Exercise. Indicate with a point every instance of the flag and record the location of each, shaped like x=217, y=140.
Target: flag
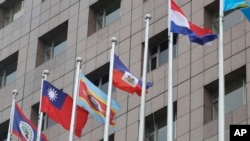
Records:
x=58, y=106
x=233, y=4
x=94, y=100
x=23, y=127
x=125, y=80
x=246, y=13
x=180, y=24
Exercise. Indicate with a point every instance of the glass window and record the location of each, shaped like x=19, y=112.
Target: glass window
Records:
x=108, y=14
x=103, y=13
x=156, y=125
x=56, y=46
x=103, y=83
x=52, y=43
x=8, y=69
x=234, y=98
x=159, y=55
x=14, y=11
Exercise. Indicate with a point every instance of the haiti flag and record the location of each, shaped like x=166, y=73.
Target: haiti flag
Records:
x=125, y=80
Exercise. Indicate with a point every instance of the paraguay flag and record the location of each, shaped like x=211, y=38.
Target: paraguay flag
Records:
x=24, y=128
x=126, y=81
x=94, y=100
x=58, y=106
x=179, y=24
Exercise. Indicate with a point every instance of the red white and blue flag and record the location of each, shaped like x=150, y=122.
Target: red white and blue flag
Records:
x=125, y=80
x=23, y=127
x=179, y=24
x=58, y=106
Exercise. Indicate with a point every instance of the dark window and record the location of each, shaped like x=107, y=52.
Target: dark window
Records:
x=11, y=10
x=52, y=43
x=103, y=13
x=111, y=138
x=235, y=94
x=158, y=50
x=4, y=127
x=156, y=125
x=8, y=69
x=100, y=77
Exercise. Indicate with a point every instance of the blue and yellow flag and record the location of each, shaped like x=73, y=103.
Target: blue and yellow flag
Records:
x=94, y=100
x=234, y=4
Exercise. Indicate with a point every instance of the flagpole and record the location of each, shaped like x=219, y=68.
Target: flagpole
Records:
x=221, y=119
x=111, y=67
x=73, y=115
x=14, y=92
x=170, y=79
x=39, y=128
x=144, y=77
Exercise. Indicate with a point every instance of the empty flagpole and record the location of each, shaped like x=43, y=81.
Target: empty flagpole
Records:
x=111, y=67
x=221, y=119
x=44, y=77
x=14, y=92
x=144, y=77
x=76, y=85
x=170, y=79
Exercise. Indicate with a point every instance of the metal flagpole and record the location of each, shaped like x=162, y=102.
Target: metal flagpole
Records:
x=14, y=92
x=76, y=85
x=221, y=119
x=144, y=77
x=170, y=79
x=111, y=67
x=39, y=128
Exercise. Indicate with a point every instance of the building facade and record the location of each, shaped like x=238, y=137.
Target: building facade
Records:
x=49, y=34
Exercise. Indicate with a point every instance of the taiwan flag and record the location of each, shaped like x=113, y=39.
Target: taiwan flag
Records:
x=24, y=128
x=125, y=80
x=58, y=106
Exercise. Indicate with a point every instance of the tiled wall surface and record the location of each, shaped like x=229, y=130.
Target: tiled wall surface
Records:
x=195, y=66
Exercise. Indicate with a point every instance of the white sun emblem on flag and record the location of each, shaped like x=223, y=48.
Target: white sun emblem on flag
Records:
x=52, y=94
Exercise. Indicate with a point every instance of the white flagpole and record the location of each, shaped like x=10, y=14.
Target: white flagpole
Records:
x=170, y=79
x=111, y=67
x=221, y=119
x=14, y=92
x=73, y=115
x=40, y=121
x=144, y=78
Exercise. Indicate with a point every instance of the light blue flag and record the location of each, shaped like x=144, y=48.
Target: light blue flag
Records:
x=246, y=13
x=233, y=4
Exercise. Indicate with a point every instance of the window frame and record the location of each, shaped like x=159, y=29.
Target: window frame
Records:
x=158, y=41
x=13, y=11
x=103, y=13
x=8, y=68
x=227, y=92
x=155, y=118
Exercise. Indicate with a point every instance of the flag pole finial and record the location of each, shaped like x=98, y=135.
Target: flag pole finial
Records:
x=15, y=92
x=148, y=16
x=45, y=72
x=78, y=59
x=113, y=39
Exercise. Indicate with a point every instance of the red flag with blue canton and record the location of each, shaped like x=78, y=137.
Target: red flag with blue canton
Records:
x=58, y=106
x=126, y=81
x=23, y=127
